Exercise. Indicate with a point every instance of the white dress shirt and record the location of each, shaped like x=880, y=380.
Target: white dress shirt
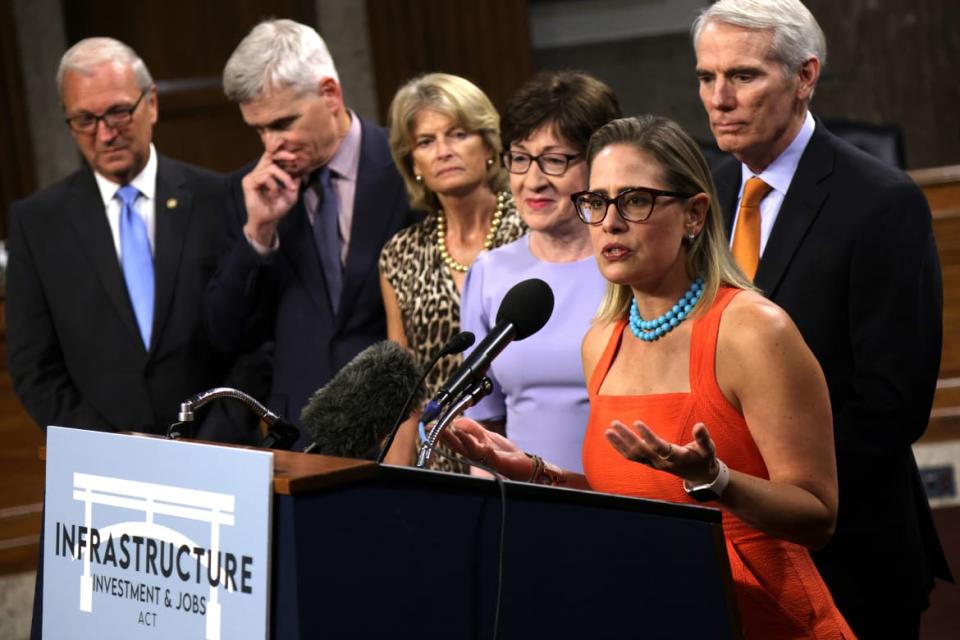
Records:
x=778, y=175
x=145, y=205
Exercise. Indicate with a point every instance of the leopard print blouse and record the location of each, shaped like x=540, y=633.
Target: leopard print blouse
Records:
x=428, y=297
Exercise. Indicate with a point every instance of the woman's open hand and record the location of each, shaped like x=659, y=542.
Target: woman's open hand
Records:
x=470, y=439
x=695, y=462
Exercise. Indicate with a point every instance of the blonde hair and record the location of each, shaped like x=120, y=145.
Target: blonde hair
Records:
x=684, y=170
x=460, y=100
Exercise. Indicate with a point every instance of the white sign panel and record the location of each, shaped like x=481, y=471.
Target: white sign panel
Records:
x=153, y=538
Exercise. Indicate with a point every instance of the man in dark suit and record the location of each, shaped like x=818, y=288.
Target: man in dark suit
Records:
x=844, y=244
x=104, y=321
x=308, y=218
x=107, y=269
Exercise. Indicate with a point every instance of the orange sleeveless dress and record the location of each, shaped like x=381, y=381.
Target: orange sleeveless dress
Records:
x=778, y=590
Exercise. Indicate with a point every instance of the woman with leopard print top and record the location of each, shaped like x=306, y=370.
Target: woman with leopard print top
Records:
x=445, y=140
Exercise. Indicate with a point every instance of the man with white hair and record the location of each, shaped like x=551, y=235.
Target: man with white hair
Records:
x=108, y=266
x=844, y=244
x=309, y=217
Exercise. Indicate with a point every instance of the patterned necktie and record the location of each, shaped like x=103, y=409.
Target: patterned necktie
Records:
x=326, y=233
x=137, y=261
x=746, y=237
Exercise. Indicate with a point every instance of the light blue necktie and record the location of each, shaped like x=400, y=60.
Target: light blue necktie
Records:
x=326, y=233
x=137, y=261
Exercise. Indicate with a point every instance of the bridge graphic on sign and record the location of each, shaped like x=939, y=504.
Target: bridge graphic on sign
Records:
x=153, y=499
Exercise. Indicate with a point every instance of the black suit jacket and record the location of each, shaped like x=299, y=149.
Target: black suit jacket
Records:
x=75, y=354
x=852, y=259
x=284, y=297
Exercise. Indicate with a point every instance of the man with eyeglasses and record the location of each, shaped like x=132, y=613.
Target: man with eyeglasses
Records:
x=844, y=244
x=107, y=267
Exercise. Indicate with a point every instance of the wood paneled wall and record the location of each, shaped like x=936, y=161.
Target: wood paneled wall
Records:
x=21, y=488
x=894, y=62
x=942, y=188
x=486, y=42
x=16, y=155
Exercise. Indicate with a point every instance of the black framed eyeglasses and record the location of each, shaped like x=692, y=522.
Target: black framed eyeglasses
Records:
x=552, y=164
x=115, y=117
x=633, y=205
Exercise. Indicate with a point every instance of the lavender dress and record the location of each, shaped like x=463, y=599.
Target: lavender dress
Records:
x=538, y=382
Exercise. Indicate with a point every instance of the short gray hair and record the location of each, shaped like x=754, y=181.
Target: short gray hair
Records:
x=91, y=52
x=277, y=54
x=796, y=35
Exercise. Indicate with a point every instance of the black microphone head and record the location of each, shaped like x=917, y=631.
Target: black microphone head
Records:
x=458, y=343
x=527, y=306
x=352, y=414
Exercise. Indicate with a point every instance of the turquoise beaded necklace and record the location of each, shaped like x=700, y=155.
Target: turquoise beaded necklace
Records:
x=650, y=330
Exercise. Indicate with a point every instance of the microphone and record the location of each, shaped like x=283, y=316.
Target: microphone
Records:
x=458, y=344
x=351, y=415
x=524, y=310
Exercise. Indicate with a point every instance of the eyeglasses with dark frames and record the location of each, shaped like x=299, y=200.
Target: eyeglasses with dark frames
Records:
x=552, y=164
x=633, y=205
x=115, y=117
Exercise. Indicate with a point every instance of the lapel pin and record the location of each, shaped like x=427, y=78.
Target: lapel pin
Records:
x=171, y=203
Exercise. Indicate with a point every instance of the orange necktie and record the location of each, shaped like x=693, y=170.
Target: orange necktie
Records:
x=746, y=237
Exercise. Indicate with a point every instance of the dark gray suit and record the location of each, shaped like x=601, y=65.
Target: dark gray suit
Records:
x=852, y=259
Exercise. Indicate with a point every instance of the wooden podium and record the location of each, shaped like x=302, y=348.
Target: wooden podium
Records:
x=368, y=551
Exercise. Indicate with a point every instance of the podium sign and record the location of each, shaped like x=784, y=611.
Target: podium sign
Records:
x=148, y=538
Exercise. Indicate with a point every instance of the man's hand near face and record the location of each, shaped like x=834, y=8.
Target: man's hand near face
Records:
x=269, y=193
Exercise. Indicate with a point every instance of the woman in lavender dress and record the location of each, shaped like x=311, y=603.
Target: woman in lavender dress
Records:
x=539, y=399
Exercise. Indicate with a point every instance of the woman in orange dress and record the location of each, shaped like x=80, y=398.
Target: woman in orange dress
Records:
x=701, y=390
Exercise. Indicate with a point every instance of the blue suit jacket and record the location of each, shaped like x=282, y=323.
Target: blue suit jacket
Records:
x=852, y=259
x=284, y=297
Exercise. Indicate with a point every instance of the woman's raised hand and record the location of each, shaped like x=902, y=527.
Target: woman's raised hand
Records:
x=695, y=462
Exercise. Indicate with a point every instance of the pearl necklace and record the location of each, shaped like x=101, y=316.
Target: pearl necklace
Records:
x=503, y=201
x=650, y=330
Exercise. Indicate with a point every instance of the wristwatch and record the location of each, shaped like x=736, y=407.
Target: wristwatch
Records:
x=713, y=490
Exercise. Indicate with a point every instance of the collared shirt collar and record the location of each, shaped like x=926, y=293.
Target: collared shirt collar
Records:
x=145, y=181
x=780, y=172
x=345, y=162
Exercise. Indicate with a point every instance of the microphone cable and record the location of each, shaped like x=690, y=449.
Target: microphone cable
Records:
x=499, y=478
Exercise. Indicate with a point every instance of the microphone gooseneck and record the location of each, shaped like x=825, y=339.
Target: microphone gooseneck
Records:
x=280, y=434
x=468, y=398
x=457, y=344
